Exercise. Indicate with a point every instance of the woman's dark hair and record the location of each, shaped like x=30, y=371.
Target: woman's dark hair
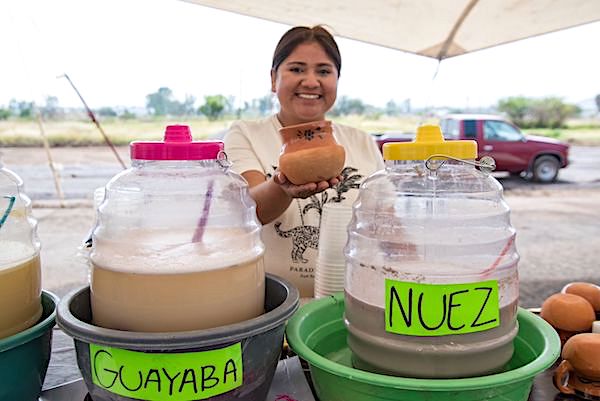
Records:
x=303, y=34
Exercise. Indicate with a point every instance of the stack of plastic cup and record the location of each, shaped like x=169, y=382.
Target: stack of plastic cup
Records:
x=331, y=263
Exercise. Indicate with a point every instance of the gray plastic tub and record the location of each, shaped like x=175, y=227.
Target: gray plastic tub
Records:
x=260, y=340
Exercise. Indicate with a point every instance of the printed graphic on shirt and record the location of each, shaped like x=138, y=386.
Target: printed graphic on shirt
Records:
x=307, y=236
x=349, y=181
x=302, y=237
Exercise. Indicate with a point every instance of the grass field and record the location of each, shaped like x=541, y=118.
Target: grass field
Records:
x=121, y=132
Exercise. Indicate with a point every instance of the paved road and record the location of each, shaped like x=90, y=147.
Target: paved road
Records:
x=583, y=171
x=81, y=170
x=84, y=169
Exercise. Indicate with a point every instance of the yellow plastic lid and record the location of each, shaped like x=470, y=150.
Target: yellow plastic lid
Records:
x=429, y=141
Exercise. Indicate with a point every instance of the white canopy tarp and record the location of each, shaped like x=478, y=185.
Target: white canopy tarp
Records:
x=432, y=28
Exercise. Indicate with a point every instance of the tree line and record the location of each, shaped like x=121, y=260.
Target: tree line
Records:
x=162, y=102
x=549, y=112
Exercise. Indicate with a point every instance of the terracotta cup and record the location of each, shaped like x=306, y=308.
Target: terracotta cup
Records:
x=310, y=153
x=579, y=372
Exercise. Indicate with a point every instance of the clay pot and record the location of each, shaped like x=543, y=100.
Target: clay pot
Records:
x=589, y=291
x=569, y=314
x=310, y=153
x=579, y=372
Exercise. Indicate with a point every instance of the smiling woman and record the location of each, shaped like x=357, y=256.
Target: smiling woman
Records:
x=305, y=91
x=304, y=76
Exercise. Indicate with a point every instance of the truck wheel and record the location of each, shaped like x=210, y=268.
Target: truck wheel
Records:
x=545, y=169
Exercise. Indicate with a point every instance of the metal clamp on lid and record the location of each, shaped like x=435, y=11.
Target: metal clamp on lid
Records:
x=223, y=161
x=486, y=164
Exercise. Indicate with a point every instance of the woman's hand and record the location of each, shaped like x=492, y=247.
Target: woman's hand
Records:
x=305, y=190
x=274, y=195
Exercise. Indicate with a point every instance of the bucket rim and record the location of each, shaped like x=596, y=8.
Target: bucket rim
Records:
x=547, y=357
x=166, y=341
x=49, y=300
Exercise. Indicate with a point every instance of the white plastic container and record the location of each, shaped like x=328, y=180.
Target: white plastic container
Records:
x=430, y=241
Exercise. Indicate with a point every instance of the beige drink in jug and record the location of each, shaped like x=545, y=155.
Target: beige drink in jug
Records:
x=435, y=357
x=157, y=287
x=20, y=287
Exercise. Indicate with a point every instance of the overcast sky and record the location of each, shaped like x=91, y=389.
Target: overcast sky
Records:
x=118, y=51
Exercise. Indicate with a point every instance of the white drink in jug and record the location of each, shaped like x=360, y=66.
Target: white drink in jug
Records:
x=20, y=287
x=171, y=284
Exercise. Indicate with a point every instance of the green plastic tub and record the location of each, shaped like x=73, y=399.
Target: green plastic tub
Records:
x=24, y=357
x=318, y=335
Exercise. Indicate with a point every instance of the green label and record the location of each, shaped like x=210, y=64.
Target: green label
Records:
x=421, y=310
x=162, y=377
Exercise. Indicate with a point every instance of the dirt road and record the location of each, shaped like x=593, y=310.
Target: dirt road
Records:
x=558, y=238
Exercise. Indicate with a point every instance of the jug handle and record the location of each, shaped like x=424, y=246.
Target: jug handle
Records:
x=560, y=374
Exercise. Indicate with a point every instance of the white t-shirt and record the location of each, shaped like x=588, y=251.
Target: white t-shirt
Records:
x=291, y=240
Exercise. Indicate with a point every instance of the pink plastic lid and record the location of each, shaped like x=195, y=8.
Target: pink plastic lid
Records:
x=177, y=145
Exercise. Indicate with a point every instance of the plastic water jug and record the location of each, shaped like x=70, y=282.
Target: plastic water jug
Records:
x=20, y=274
x=177, y=243
x=431, y=286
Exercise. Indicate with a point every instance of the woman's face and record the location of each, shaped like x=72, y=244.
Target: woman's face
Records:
x=305, y=84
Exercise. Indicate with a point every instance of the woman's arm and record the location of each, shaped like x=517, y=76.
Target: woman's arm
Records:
x=274, y=195
x=271, y=200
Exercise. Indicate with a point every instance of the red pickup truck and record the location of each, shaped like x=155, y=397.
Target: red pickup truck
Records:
x=539, y=158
